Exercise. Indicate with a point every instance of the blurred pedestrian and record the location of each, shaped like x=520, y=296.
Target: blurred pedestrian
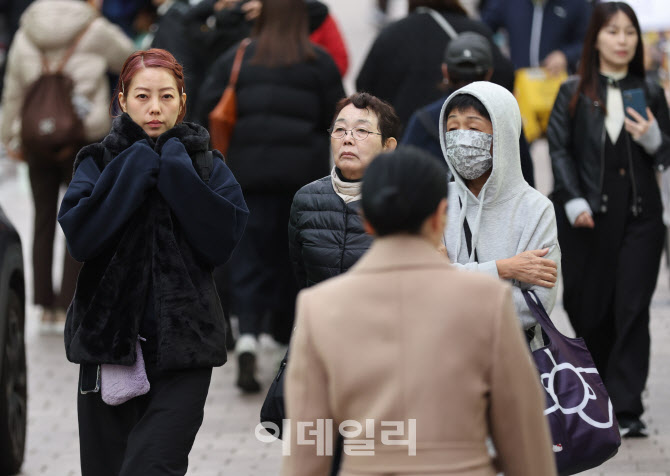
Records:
x=326, y=235
x=545, y=33
x=150, y=211
x=48, y=30
x=214, y=26
x=403, y=64
x=286, y=95
x=608, y=206
x=122, y=12
x=403, y=319
x=467, y=58
x=498, y=224
x=169, y=31
x=10, y=14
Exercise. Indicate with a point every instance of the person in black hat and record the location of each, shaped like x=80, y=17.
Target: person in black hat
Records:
x=467, y=58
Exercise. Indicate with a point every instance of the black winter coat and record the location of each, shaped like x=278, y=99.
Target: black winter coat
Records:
x=403, y=65
x=172, y=35
x=150, y=220
x=326, y=235
x=577, y=143
x=280, y=141
x=214, y=32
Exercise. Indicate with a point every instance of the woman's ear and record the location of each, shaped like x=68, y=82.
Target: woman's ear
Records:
x=122, y=102
x=390, y=144
x=368, y=228
x=366, y=224
x=440, y=216
x=434, y=225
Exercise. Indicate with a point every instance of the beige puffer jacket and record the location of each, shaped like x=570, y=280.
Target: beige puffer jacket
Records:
x=50, y=26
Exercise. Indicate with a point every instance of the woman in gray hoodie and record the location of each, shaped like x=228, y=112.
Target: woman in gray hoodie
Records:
x=497, y=223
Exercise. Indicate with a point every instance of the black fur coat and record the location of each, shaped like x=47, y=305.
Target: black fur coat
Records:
x=148, y=269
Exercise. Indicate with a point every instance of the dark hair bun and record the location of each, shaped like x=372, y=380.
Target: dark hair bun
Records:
x=401, y=189
x=390, y=196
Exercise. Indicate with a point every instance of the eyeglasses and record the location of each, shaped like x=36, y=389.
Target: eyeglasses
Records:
x=358, y=133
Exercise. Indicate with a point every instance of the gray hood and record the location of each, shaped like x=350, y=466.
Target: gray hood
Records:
x=53, y=24
x=506, y=179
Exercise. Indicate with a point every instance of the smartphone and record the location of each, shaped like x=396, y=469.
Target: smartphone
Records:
x=634, y=98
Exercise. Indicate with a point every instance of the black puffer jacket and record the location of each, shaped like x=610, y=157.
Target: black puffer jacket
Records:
x=280, y=141
x=577, y=142
x=326, y=235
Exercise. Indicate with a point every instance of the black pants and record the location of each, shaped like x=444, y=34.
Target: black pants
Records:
x=150, y=435
x=46, y=179
x=263, y=285
x=609, y=276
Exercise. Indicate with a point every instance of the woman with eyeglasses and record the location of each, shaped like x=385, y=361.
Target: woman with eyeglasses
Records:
x=286, y=95
x=326, y=235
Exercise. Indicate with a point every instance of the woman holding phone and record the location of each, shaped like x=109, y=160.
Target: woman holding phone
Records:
x=608, y=207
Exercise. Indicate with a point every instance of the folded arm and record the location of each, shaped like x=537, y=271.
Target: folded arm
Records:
x=98, y=203
x=212, y=215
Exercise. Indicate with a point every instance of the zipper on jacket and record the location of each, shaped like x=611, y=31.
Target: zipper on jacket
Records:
x=632, y=175
x=536, y=35
x=344, y=238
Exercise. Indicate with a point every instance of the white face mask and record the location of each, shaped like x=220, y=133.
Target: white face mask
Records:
x=469, y=152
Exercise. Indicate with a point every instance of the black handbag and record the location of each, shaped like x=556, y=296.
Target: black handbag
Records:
x=272, y=411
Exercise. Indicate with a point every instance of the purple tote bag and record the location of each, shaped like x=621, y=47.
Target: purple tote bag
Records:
x=584, y=430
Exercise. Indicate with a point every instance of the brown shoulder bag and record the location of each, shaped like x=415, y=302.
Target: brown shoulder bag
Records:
x=223, y=117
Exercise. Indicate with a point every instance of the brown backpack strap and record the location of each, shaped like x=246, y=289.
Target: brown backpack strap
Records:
x=45, y=63
x=69, y=51
x=237, y=64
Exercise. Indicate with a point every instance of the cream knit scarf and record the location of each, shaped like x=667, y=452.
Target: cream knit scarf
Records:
x=348, y=191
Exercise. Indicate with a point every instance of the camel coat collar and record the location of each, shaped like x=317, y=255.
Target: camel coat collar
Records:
x=400, y=252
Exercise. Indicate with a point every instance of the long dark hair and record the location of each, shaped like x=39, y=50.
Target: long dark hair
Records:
x=282, y=33
x=444, y=5
x=589, y=65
